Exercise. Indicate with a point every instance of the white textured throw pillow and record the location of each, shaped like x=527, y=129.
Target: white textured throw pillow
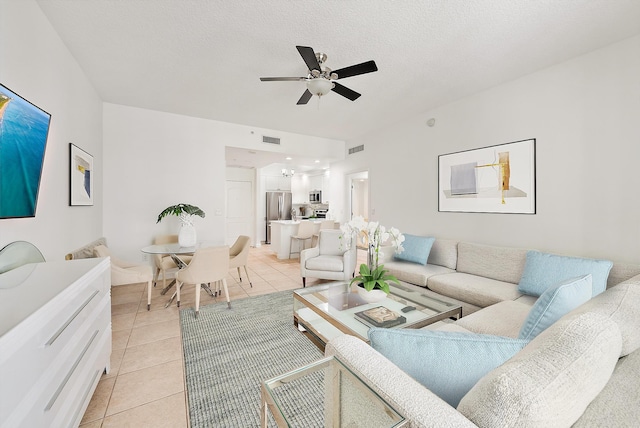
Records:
x=552, y=380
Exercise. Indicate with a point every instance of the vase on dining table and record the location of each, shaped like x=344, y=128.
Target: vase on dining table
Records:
x=187, y=235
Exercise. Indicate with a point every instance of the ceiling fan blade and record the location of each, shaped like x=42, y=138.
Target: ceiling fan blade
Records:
x=281, y=79
x=309, y=57
x=305, y=97
x=354, y=70
x=345, y=92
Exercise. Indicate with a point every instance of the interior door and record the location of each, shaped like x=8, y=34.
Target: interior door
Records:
x=360, y=197
x=239, y=210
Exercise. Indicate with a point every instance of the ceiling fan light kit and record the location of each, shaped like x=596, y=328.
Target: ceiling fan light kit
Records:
x=320, y=80
x=320, y=86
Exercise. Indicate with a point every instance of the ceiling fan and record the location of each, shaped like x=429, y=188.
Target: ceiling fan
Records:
x=321, y=80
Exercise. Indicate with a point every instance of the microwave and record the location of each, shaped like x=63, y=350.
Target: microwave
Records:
x=315, y=196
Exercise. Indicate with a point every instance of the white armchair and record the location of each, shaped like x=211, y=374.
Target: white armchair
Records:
x=333, y=258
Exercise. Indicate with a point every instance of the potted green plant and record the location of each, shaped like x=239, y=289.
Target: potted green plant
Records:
x=185, y=212
x=373, y=280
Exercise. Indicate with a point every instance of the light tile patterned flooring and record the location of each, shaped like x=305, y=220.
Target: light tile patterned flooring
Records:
x=145, y=387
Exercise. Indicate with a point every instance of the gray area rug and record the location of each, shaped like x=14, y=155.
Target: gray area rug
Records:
x=229, y=352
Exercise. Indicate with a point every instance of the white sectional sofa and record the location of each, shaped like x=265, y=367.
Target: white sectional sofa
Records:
x=583, y=370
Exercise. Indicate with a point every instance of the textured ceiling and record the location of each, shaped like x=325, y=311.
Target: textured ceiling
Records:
x=203, y=58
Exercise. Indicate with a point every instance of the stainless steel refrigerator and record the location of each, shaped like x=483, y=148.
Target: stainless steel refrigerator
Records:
x=278, y=208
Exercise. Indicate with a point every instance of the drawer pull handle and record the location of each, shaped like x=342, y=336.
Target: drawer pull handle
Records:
x=86, y=394
x=68, y=376
x=70, y=320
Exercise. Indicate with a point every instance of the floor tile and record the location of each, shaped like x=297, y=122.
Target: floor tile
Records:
x=151, y=354
x=122, y=321
x=116, y=360
x=119, y=339
x=94, y=424
x=124, y=308
x=153, y=332
x=168, y=412
x=145, y=386
x=99, y=400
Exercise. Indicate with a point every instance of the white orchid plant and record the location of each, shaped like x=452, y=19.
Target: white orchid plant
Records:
x=372, y=234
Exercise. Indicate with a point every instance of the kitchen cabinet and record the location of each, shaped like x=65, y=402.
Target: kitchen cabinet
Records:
x=326, y=188
x=315, y=182
x=300, y=189
x=274, y=182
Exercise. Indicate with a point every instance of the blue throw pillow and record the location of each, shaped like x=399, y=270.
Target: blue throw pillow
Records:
x=449, y=364
x=554, y=303
x=416, y=249
x=543, y=270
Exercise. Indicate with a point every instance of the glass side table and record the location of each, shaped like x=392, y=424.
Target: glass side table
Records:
x=324, y=394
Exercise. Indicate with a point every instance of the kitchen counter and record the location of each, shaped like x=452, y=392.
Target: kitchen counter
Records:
x=281, y=232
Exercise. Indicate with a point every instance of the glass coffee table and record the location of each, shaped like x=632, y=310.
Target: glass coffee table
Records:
x=328, y=310
x=323, y=394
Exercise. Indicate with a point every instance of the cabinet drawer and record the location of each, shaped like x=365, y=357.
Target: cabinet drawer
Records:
x=62, y=390
x=53, y=346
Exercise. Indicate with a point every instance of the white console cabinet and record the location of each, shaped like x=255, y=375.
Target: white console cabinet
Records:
x=55, y=340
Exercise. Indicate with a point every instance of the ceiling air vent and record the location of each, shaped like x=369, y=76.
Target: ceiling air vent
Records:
x=356, y=149
x=270, y=140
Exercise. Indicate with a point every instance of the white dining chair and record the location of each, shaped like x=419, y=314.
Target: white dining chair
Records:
x=239, y=256
x=164, y=263
x=208, y=265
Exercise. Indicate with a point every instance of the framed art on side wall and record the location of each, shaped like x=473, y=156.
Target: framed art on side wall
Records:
x=80, y=176
x=495, y=179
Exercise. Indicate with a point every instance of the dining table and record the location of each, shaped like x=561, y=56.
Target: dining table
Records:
x=175, y=250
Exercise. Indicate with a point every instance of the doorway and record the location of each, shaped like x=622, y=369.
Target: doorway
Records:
x=359, y=184
x=239, y=209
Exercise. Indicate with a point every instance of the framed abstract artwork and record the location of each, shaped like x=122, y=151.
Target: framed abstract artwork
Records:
x=80, y=176
x=494, y=179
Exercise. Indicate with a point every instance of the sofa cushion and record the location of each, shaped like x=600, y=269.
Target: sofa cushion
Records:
x=447, y=363
x=621, y=304
x=502, y=319
x=444, y=252
x=554, y=303
x=416, y=249
x=543, y=270
x=617, y=404
x=326, y=263
x=473, y=289
x=552, y=380
x=499, y=263
x=414, y=273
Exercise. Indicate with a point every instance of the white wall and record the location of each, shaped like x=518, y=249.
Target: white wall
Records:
x=36, y=64
x=155, y=159
x=584, y=114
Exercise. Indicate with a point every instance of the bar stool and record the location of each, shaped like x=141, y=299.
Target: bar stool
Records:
x=305, y=232
x=326, y=224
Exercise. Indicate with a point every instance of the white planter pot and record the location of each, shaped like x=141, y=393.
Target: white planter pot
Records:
x=373, y=296
x=187, y=236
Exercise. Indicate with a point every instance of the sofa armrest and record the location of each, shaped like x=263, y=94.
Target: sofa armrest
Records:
x=421, y=407
x=306, y=255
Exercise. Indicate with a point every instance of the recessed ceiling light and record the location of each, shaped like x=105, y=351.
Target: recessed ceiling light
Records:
x=317, y=161
x=288, y=158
